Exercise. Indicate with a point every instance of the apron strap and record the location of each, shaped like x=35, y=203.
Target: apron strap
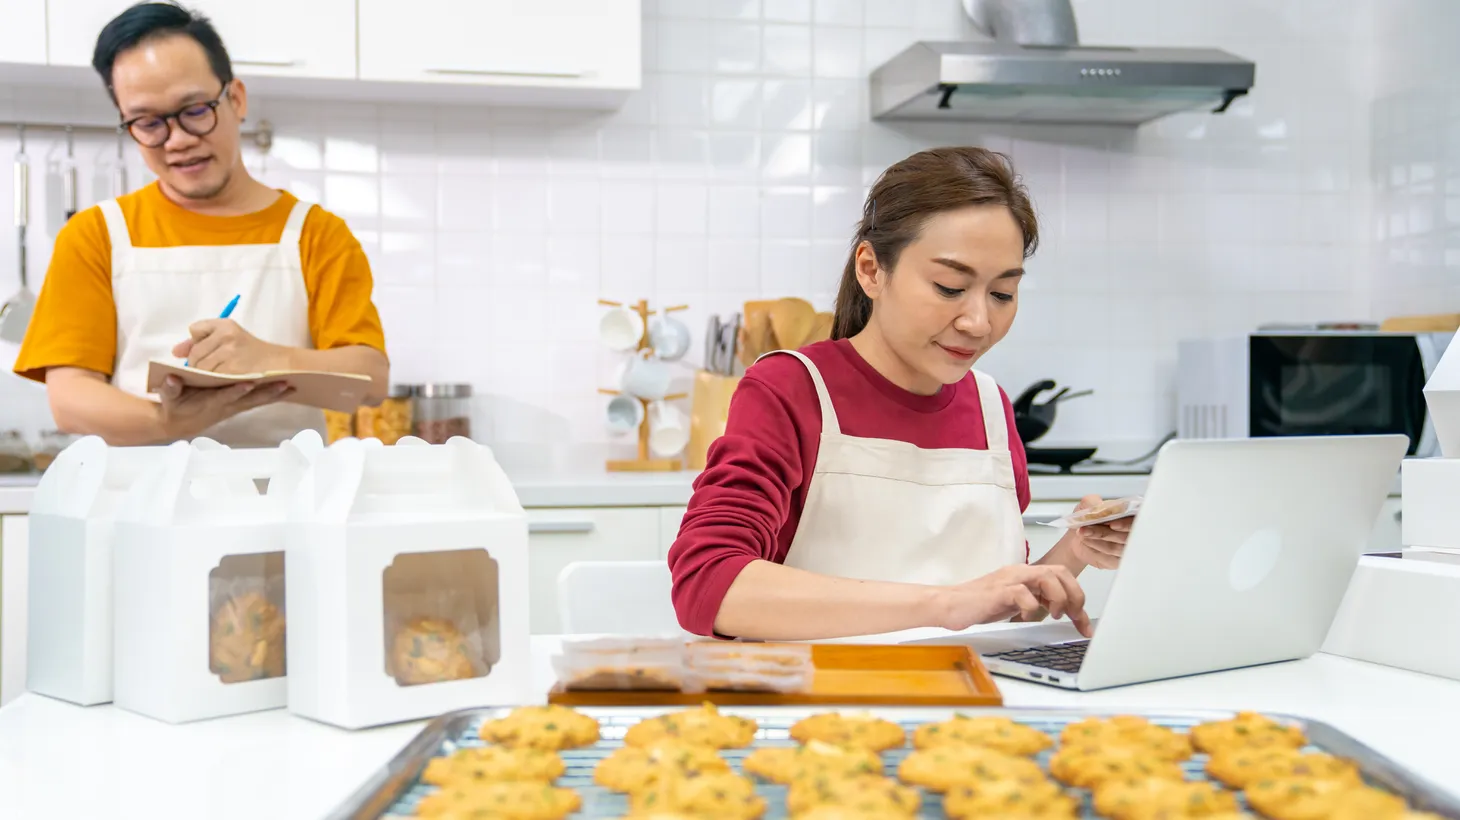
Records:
x=829, y=423
x=995, y=425
x=116, y=226
x=294, y=228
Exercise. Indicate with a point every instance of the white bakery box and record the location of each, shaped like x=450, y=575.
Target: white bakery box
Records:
x=199, y=610
x=407, y=593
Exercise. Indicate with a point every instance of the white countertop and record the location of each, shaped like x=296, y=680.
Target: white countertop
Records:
x=588, y=487
x=273, y=765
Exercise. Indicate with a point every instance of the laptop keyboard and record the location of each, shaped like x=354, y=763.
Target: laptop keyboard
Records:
x=1061, y=657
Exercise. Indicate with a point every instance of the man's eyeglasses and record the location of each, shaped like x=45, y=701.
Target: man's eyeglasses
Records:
x=198, y=119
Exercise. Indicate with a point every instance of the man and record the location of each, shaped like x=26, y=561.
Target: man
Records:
x=140, y=277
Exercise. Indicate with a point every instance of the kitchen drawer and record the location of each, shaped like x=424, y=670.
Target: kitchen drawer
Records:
x=559, y=536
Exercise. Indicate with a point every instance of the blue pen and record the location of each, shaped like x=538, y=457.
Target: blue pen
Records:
x=227, y=311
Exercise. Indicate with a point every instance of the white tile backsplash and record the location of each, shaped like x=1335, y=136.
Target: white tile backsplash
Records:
x=740, y=169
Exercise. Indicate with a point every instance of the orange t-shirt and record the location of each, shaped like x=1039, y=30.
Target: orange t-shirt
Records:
x=75, y=319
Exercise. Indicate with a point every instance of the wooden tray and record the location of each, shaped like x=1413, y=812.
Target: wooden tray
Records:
x=868, y=674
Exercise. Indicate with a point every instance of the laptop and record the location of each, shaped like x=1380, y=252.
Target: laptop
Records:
x=1240, y=555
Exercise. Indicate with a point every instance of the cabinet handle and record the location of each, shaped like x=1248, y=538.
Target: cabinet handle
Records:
x=506, y=72
x=1399, y=514
x=1039, y=519
x=270, y=63
x=559, y=527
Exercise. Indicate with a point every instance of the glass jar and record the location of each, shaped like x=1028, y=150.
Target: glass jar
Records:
x=442, y=412
x=391, y=421
x=52, y=442
x=337, y=425
x=15, y=455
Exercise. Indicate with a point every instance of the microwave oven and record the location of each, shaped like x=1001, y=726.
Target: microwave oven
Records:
x=1308, y=383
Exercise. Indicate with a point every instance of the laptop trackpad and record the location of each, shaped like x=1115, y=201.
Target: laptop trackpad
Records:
x=1013, y=639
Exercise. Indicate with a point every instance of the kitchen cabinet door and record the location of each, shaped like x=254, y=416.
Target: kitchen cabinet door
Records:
x=559, y=536
x=14, y=574
x=264, y=37
x=669, y=518
x=1095, y=582
x=23, y=31
x=522, y=43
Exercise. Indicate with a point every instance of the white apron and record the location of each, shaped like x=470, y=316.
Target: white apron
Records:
x=885, y=510
x=159, y=292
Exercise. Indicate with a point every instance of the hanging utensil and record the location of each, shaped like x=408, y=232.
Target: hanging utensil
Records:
x=712, y=344
x=732, y=343
x=119, y=174
x=15, y=314
x=68, y=175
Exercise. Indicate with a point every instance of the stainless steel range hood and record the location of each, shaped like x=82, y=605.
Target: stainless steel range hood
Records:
x=1054, y=82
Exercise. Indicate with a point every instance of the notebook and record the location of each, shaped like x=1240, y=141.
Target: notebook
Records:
x=329, y=391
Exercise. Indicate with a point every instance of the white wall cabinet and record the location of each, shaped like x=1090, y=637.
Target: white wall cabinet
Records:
x=315, y=38
x=543, y=46
x=559, y=536
x=23, y=31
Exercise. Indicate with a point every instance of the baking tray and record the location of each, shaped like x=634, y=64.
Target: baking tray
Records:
x=394, y=790
x=846, y=674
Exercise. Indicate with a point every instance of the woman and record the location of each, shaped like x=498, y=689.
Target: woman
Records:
x=874, y=482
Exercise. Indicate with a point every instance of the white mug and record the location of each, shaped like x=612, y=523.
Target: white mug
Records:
x=668, y=430
x=670, y=338
x=624, y=415
x=621, y=329
x=645, y=377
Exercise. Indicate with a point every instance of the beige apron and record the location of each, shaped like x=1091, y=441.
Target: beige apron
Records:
x=159, y=292
x=888, y=510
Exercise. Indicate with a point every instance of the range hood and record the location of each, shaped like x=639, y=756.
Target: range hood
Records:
x=1057, y=82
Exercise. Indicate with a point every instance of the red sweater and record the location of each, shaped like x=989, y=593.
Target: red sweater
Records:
x=748, y=500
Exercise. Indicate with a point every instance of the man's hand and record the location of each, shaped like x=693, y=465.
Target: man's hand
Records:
x=186, y=412
x=222, y=346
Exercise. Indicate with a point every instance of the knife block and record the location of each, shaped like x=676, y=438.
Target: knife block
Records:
x=709, y=409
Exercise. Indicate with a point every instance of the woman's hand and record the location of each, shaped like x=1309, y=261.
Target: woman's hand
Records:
x=1025, y=590
x=1099, y=545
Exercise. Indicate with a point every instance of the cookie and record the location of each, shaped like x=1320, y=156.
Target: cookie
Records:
x=542, y=727
x=1363, y=809
x=1236, y=767
x=493, y=763
x=429, y=650
x=860, y=730
x=944, y=767
x=637, y=678
x=844, y=813
x=1306, y=798
x=1033, y=799
x=508, y=800
x=1246, y=729
x=1086, y=766
x=723, y=794
x=999, y=733
x=246, y=639
x=632, y=767
x=882, y=794
x=787, y=764
x=704, y=726
x=1158, y=799
x=1129, y=730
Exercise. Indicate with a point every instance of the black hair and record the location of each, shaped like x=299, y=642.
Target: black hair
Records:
x=147, y=21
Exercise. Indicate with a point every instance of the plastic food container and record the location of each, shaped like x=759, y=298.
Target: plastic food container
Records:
x=1108, y=511
x=741, y=667
x=622, y=664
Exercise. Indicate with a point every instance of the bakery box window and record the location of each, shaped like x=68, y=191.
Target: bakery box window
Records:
x=246, y=634
x=441, y=616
